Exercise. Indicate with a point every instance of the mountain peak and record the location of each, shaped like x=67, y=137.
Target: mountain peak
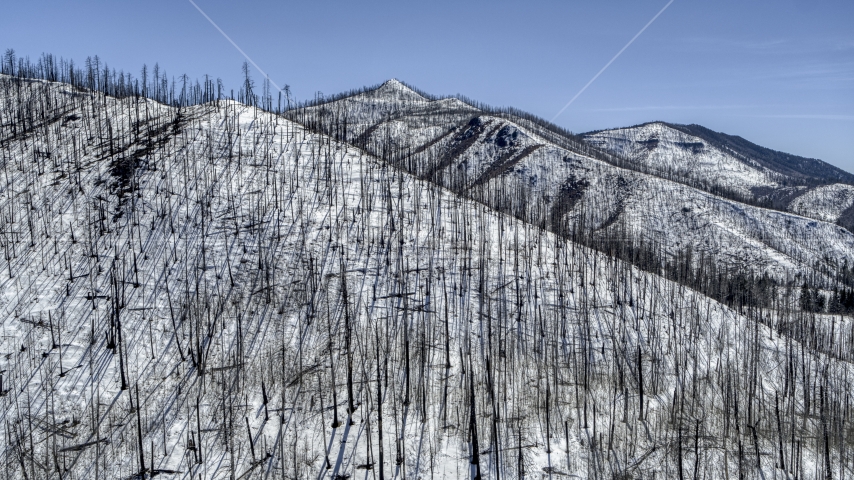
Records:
x=396, y=88
x=394, y=83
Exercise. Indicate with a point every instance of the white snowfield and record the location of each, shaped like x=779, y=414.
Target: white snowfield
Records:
x=203, y=292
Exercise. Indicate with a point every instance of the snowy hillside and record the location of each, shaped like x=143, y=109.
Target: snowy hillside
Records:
x=215, y=291
x=563, y=188
x=826, y=202
x=732, y=167
x=665, y=151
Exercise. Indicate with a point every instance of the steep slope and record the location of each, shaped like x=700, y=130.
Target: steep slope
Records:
x=830, y=203
x=666, y=151
x=549, y=180
x=216, y=292
x=722, y=164
x=384, y=101
x=793, y=166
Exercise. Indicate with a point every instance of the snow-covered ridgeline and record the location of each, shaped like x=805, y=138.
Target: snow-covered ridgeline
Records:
x=494, y=159
x=661, y=149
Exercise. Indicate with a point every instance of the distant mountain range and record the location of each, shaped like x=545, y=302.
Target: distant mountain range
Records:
x=683, y=190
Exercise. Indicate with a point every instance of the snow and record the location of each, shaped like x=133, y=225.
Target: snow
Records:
x=825, y=202
x=229, y=259
x=669, y=213
x=663, y=150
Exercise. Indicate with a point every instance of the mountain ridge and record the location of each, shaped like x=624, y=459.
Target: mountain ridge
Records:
x=805, y=167
x=569, y=188
x=787, y=163
x=790, y=184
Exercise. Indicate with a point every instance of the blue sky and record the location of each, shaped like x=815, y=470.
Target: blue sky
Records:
x=779, y=73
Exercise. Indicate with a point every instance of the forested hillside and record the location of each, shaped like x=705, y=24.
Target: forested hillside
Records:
x=199, y=286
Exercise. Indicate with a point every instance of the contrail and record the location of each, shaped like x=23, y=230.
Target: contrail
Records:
x=606, y=65
x=238, y=48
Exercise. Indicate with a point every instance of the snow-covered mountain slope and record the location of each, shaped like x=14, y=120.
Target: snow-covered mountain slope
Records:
x=724, y=164
x=562, y=187
x=567, y=191
x=798, y=169
x=408, y=118
x=404, y=116
x=825, y=202
x=386, y=100
x=216, y=292
x=665, y=151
